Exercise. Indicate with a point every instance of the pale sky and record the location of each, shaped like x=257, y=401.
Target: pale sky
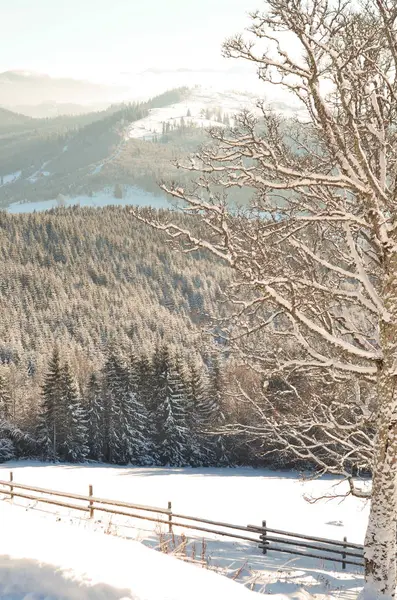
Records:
x=99, y=39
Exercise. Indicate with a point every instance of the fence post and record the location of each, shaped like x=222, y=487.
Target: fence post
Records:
x=170, y=518
x=343, y=554
x=263, y=538
x=11, y=487
x=90, y=493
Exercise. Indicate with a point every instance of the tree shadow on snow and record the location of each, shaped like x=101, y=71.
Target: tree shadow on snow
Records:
x=213, y=472
x=26, y=579
x=272, y=573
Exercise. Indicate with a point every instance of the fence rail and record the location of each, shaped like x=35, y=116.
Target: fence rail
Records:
x=268, y=539
x=287, y=538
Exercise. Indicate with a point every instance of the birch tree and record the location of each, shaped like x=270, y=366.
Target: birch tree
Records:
x=314, y=256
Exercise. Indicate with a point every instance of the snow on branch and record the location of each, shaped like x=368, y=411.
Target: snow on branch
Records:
x=310, y=249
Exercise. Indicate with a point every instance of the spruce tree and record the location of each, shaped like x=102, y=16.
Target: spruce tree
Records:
x=112, y=390
x=145, y=394
x=141, y=442
x=171, y=421
x=95, y=421
x=214, y=410
x=74, y=447
x=5, y=398
x=181, y=402
x=157, y=398
x=123, y=403
x=51, y=424
x=202, y=450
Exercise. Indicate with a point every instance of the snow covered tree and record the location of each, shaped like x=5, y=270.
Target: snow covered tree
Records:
x=212, y=410
x=122, y=401
x=182, y=409
x=145, y=390
x=74, y=444
x=141, y=436
x=112, y=373
x=200, y=447
x=95, y=424
x=7, y=450
x=315, y=255
x=5, y=398
x=51, y=424
x=169, y=410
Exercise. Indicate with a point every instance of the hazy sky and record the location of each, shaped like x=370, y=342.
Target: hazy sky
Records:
x=99, y=39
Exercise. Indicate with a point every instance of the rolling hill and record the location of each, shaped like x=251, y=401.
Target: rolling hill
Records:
x=18, y=86
x=125, y=144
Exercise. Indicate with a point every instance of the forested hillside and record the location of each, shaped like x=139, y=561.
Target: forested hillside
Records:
x=42, y=158
x=83, y=277
x=125, y=145
x=103, y=336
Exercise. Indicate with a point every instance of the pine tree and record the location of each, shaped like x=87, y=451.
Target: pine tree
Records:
x=5, y=398
x=123, y=402
x=202, y=451
x=181, y=402
x=145, y=394
x=112, y=371
x=171, y=431
x=51, y=424
x=214, y=410
x=141, y=442
x=157, y=398
x=95, y=424
x=74, y=447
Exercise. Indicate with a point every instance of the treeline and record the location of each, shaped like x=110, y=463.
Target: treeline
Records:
x=146, y=410
x=160, y=409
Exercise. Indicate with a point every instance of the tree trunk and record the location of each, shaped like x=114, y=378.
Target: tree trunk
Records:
x=380, y=541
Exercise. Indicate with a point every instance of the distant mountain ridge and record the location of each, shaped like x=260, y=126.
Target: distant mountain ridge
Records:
x=19, y=88
x=125, y=145
x=10, y=118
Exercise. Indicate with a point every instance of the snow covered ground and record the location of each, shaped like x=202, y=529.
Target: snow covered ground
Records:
x=198, y=101
x=193, y=110
x=41, y=562
x=240, y=496
x=11, y=178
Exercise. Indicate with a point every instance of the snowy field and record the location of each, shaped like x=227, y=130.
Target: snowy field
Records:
x=198, y=101
x=41, y=562
x=239, y=496
x=11, y=178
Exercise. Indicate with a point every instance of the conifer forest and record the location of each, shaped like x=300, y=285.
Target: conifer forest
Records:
x=112, y=348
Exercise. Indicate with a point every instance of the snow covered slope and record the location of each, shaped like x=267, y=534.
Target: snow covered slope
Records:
x=193, y=109
x=241, y=496
x=40, y=561
x=201, y=108
x=200, y=104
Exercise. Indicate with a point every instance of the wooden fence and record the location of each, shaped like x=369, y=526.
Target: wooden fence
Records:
x=269, y=540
